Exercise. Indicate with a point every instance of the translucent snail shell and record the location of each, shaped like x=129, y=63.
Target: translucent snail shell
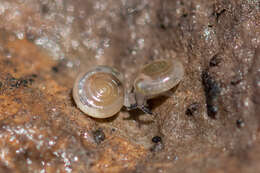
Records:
x=158, y=76
x=99, y=92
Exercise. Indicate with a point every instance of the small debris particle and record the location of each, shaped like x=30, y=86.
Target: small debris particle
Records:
x=218, y=13
x=44, y=9
x=99, y=135
x=158, y=144
x=13, y=82
x=24, y=81
x=212, y=110
x=185, y=15
x=162, y=26
x=55, y=69
x=192, y=109
x=17, y=83
x=20, y=82
x=215, y=61
x=240, y=123
x=212, y=91
x=156, y=139
x=34, y=75
x=210, y=85
x=31, y=80
x=236, y=81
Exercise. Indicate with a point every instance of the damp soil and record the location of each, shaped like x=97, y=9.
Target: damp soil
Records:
x=209, y=124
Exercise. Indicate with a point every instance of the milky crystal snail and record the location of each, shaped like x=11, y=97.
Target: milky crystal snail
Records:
x=101, y=91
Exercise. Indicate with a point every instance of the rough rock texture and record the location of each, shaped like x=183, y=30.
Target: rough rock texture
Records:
x=210, y=124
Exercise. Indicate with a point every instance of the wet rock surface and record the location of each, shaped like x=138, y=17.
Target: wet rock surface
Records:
x=210, y=124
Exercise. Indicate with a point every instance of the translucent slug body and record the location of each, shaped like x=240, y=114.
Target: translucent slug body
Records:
x=99, y=92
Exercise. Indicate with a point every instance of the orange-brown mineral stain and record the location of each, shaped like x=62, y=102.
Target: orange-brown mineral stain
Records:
x=29, y=57
x=119, y=152
x=8, y=107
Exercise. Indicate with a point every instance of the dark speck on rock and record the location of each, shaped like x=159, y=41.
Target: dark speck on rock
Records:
x=156, y=139
x=215, y=61
x=44, y=9
x=240, y=123
x=13, y=82
x=21, y=82
x=99, y=135
x=34, y=75
x=212, y=110
x=162, y=26
x=191, y=110
x=55, y=69
x=212, y=91
x=158, y=144
x=185, y=15
x=236, y=80
x=219, y=13
x=31, y=80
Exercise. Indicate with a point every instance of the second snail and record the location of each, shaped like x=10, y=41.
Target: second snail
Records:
x=101, y=92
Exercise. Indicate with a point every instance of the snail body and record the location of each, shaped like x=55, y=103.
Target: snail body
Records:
x=158, y=76
x=101, y=92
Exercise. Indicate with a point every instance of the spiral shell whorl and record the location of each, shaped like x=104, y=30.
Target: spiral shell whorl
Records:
x=99, y=92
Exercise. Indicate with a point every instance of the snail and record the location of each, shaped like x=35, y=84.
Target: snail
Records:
x=101, y=92
x=154, y=79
